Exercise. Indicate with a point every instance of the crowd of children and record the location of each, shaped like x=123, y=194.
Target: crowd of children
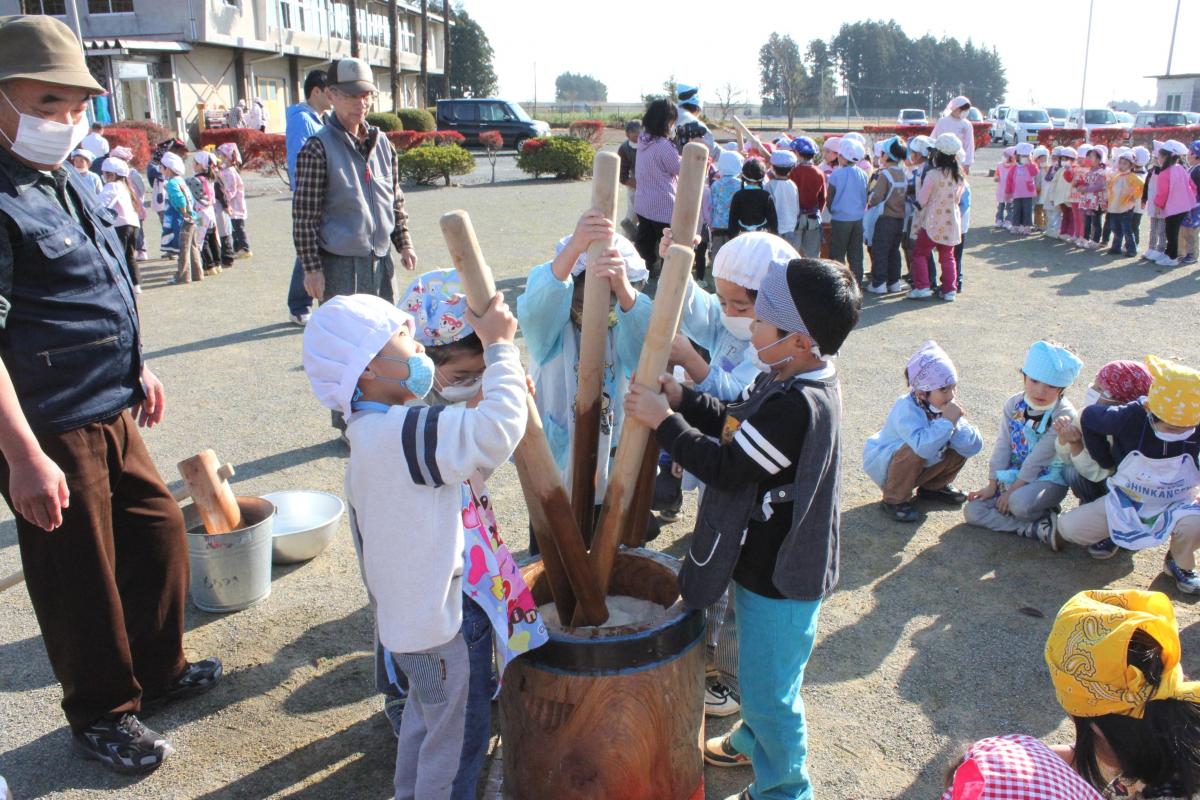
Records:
x=1089, y=197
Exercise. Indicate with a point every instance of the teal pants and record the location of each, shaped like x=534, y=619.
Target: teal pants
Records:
x=775, y=639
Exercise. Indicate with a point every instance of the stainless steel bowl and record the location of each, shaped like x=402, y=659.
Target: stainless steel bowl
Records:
x=305, y=522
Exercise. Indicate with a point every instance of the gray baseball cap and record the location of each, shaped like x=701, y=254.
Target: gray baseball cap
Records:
x=351, y=75
x=42, y=48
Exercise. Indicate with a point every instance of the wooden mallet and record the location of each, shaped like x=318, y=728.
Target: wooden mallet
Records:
x=572, y=584
x=206, y=479
x=593, y=339
x=753, y=139
x=685, y=222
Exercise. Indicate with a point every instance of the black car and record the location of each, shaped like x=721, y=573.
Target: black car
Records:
x=473, y=116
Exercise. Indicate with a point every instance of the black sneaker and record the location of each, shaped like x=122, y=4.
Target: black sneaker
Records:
x=195, y=679
x=123, y=744
x=1106, y=548
x=1045, y=530
x=902, y=512
x=948, y=495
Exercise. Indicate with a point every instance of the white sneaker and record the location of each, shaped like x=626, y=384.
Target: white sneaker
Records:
x=719, y=701
x=1168, y=262
x=920, y=294
x=879, y=288
x=299, y=319
x=949, y=296
x=137, y=289
x=1152, y=255
x=898, y=286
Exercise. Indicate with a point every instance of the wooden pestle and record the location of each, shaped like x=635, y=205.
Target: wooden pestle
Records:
x=205, y=481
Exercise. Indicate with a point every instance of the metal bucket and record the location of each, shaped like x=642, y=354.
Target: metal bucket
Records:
x=231, y=571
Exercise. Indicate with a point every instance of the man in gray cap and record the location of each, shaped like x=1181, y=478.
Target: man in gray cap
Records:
x=102, y=541
x=347, y=207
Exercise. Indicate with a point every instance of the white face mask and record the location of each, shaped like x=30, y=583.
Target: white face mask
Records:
x=1173, y=437
x=1091, y=396
x=44, y=141
x=752, y=355
x=1039, y=408
x=738, y=326
x=460, y=392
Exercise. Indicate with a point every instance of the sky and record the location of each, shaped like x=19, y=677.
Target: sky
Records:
x=634, y=45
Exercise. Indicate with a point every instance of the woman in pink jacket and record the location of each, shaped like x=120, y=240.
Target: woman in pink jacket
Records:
x=1174, y=196
x=941, y=219
x=1021, y=186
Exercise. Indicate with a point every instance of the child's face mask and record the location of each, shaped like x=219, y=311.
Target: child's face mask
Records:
x=420, y=373
x=460, y=391
x=1177, y=434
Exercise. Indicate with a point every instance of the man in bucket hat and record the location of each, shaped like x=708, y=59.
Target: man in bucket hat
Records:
x=102, y=541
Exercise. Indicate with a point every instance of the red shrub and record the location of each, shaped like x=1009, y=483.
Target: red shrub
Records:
x=242, y=137
x=1109, y=137
x=403, y=140
x=1146, y=136
x=406, y=140
x=907, y=131
x=590, y=129
x=446, y=137
x=266, y=152
x=1060, y=137
x=135, y=140
x=533, y=145
x=155, y=133
x=492, y=140
x=983, y=134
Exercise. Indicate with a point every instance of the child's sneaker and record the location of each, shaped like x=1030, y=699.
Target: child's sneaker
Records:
x=137, y=288
x=719, y=752
x=719, y=701
x=1188, y=259
x=123, y=744
x=949, y=297
x=1168, y=262
x=1186, y=580
x=877, y=288
x=393, y=709
x=1101, y=550
x=1152, y=255
x=920, y=294
x=897, y=287
x=1045, y=530
x=950, y=495
x=901, y=512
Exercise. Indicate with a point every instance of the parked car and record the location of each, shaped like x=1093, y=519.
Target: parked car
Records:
x=1058, y=116
x=911, y=116
x=1124, y=118
x=1193, y=118
x=1160, y=119
x=1092, y=118
x=472, y=116
x=997, y=116
x=974, y=114
x=1022, y=125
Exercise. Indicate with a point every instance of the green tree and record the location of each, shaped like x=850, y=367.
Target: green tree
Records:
x=819, y=61
x=471, y=70
x=670, y=91
x=782, y=74
x=570, y=88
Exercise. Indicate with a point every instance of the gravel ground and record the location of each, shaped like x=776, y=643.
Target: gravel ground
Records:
x=935, y=634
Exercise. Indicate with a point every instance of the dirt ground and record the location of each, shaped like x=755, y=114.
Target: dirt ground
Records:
x=928, y=643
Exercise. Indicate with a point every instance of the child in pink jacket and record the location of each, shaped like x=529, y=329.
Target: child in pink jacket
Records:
x=1174, y=196
x=1003, y=207
x=235, y=197
x=1021, y=187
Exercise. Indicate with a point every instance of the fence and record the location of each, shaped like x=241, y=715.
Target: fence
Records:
x=831, y=118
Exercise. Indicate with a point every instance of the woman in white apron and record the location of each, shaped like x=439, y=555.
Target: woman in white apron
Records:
x=1152, y=494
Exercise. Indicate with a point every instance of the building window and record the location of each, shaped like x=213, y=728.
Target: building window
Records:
x=1174, y=102
x=408, y=38
x=109, y=6
x=53, y=7
x=285, y=15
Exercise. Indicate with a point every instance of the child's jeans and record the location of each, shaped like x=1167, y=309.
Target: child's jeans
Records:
x=1137, y=227
x=1088, y=524
x=846, y=245
x=1188, y=240
x=1158, y=235
x=1107, y=230
x=1002, y=213
x=775, y=640
x=1022, y=214
x=935, y=265
x=920, y=268
x=1171, y=227
x=885, y=264
x=1054, y=218
x=448, y=717
x=1122, y=229
x=1025, y=505
x=1092, y=224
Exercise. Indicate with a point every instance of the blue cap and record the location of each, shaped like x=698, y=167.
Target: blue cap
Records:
x=1052, y=365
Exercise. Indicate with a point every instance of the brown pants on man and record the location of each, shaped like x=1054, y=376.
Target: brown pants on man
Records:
x=108, y=586
x=907, y=472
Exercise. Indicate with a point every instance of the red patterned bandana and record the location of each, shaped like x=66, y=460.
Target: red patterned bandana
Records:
x=1124, y=381
x=1016, y=767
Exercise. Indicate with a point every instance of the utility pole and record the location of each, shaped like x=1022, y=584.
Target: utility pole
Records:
x=446, y=14
x=1086, y=49
x=394, y=53
x=535, y=88
x=847, y=105
x=1174, y=27
x=354, y=28
x=424, y=53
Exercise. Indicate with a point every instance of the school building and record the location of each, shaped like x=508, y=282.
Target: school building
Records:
x=166, y=60
x=1178, y=92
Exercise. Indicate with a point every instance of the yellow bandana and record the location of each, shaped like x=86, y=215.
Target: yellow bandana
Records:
x=1088, y=649
x=1175, y=394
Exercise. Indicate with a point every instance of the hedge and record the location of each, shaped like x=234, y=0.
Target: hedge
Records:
x=1146, y=136
x=406, y=140
x=416, y=119
x=265, y=152
x=386, y=121
x=430, y=161
x=560, y=156
x=492, y=140
x=155, y=133
x=135, y=140
x=1060, y=137
x=590, y=130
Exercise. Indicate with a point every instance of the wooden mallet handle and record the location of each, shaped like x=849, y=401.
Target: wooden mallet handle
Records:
x=753, y=139
x=210, y=492
x=9, y=581
x=563, y=554
x=631, y=449
x=593, y=338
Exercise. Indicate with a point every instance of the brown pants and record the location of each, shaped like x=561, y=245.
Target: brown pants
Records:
x=190, y=265
x=109, y=586
x=1039, y=216
x=907, y=472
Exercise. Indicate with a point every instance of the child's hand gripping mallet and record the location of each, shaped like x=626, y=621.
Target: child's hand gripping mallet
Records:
x=564, y=558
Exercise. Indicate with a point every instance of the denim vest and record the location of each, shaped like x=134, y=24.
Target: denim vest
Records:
x=358, y=215
x=71, y=343
x=807, y=566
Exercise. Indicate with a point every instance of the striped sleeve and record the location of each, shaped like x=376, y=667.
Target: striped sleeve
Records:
x=419, y=440
x=760, y=450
